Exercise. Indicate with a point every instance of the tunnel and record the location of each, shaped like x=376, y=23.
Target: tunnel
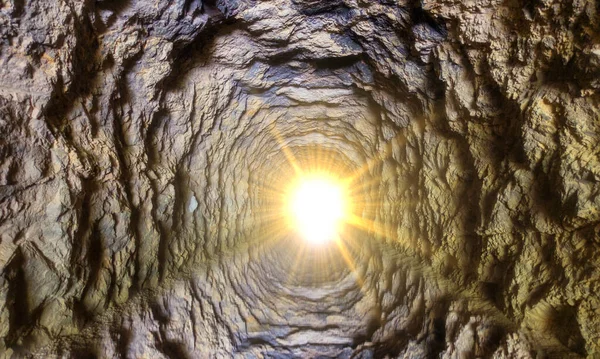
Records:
x=350, y=179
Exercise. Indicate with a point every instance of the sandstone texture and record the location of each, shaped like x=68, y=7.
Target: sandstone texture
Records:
x=142, y=143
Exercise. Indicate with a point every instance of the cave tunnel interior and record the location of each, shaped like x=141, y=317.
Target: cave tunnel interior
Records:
x=150, y=150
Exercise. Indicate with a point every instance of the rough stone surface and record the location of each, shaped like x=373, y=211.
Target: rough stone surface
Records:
x=142, y=142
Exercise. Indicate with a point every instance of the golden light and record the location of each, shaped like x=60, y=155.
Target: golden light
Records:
x=318, y=206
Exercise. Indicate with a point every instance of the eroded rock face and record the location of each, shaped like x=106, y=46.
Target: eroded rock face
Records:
x=142, y=143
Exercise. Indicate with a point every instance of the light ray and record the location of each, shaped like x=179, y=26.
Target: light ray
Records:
x=286, y=151
x=349, y=260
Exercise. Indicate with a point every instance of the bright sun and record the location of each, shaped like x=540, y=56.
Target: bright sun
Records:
x=318, y=207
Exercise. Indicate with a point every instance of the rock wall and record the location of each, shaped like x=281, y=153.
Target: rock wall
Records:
x=144, y=143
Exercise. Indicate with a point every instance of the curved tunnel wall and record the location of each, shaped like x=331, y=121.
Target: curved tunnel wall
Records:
x=146, y=147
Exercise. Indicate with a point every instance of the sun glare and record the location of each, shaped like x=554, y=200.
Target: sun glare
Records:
x=318, y=207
